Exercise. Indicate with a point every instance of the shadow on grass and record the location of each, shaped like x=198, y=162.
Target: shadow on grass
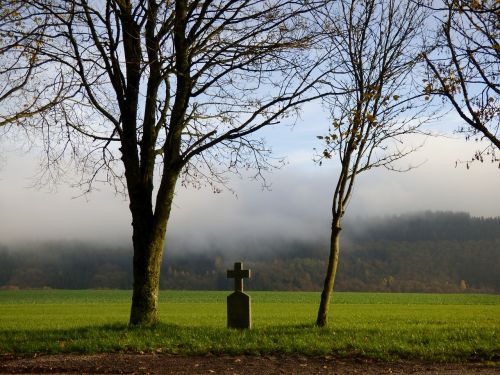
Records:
x=162, y=337
x=297, y=339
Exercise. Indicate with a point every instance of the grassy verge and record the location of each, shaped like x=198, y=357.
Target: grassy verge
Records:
x=379, y=326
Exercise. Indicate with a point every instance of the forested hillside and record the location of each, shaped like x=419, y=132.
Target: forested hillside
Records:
x=426, y=252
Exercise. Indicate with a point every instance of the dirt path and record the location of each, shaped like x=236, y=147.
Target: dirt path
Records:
x=241, y=365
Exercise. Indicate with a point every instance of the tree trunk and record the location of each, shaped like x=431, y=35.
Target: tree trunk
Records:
x=149, y=232
x=147, y=263
x=326, y=294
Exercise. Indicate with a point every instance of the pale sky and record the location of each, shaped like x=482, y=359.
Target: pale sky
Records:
x=297, y=206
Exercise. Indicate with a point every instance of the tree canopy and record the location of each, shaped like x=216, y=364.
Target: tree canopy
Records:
x=26, y=88
x=463, y=67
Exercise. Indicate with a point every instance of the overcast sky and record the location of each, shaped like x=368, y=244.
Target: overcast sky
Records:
x=298, y=204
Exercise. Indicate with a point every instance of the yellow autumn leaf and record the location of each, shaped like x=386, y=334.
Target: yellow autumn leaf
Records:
x=475, y=5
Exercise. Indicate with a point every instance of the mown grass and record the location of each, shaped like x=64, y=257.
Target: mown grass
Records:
x=376, y=325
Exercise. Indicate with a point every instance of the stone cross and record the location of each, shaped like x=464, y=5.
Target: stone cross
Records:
x=238, y=274
x=239, y=312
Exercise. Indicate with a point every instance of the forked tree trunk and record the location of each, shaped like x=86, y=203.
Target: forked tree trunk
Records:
x=326, y=294
x=149, y=232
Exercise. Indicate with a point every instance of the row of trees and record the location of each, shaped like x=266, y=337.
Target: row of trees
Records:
x=425, y=226
x=144, y=94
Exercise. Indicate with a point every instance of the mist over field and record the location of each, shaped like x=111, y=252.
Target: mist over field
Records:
x=419, y=252
x=59, y=239
x=297, y=204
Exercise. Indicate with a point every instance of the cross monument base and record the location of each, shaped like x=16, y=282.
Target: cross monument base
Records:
x=239, y=310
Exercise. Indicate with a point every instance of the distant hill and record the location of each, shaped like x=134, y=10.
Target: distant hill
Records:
x=423, y=252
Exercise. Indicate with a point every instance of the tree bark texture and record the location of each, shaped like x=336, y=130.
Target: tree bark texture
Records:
x=326, y=294
x=148, y=240
x=147, y=263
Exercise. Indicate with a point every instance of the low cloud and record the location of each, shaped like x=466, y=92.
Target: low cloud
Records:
x=297, y=206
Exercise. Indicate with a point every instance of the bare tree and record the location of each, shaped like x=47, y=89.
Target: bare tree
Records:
x=374, y=52
x=464, y=65
x=166, y=91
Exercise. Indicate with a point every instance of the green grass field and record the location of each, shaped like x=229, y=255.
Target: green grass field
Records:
x=431, y=327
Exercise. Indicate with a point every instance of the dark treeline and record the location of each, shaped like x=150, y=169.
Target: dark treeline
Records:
x=427, y=226
x=426, y=252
